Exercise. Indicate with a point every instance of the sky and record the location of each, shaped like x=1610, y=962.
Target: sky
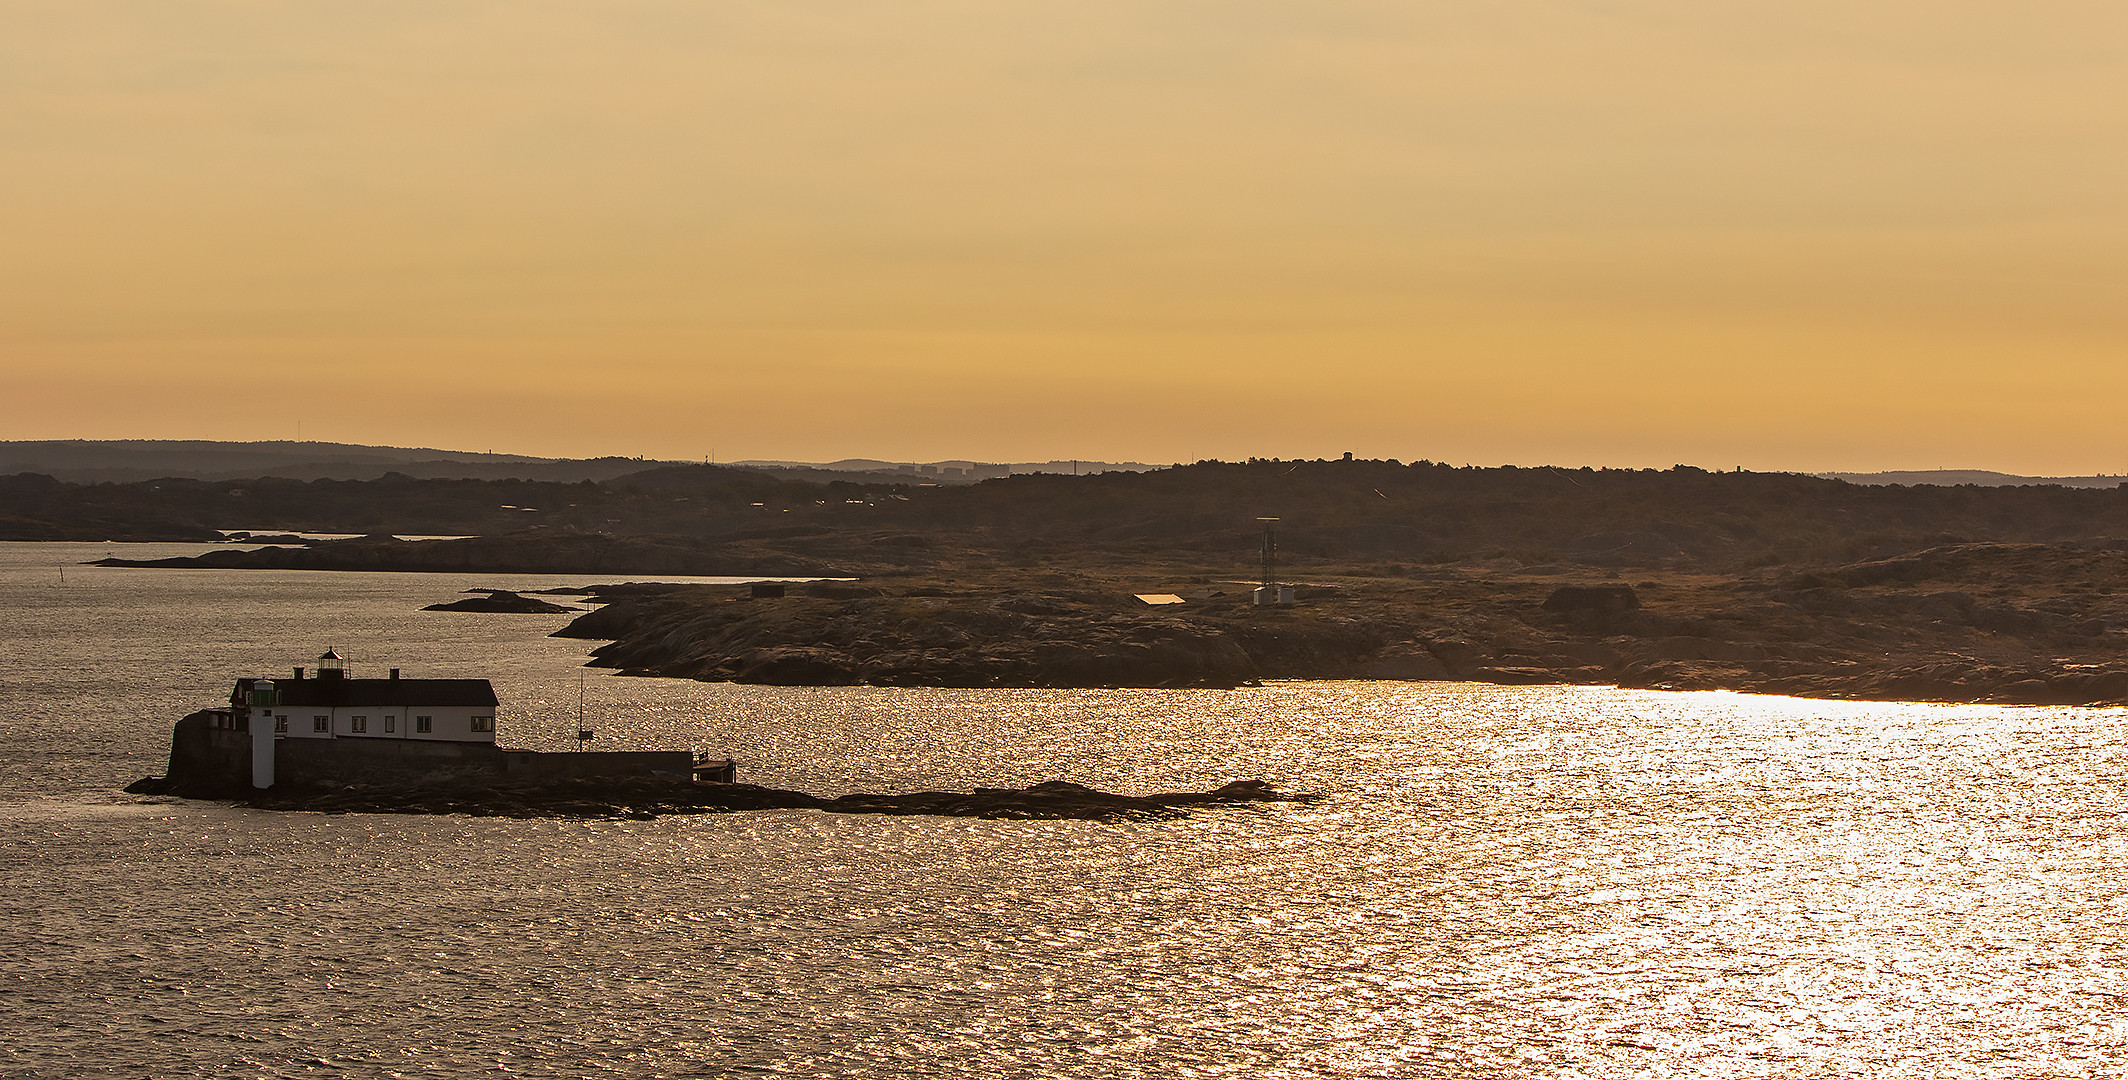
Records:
x=1800, y=235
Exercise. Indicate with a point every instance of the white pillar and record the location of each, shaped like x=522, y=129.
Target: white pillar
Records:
x=261, y=750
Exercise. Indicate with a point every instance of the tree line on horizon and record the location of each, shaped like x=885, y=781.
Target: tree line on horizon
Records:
x=1383, y=515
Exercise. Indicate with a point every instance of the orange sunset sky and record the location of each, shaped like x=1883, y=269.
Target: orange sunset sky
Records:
x=1796, y=235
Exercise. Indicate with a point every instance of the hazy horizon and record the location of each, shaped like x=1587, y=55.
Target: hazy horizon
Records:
x=859, y=459
x=1784, y=237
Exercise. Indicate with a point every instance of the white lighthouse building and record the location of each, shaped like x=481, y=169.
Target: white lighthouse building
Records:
x=332, y=704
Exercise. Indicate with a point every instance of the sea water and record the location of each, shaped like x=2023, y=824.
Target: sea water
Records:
x=1502, y=881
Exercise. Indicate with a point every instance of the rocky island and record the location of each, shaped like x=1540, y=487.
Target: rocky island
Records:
x=248, y=752
x=503, y=601
x=643, y=798
x=1678, y=578
x=525, y=552
x=2013, y=623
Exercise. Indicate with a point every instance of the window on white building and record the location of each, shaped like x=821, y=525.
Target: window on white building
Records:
x=358, y=724
x=391, y=724
x=280, y=725
x=321, y=723
x=483, y=723
x=422, y=725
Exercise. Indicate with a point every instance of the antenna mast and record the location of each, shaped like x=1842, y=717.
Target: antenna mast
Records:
x=1270, y=553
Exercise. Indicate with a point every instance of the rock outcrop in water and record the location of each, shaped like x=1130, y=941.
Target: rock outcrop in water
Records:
x=839, y=635
x=209, y=759
x=531, y=552
x=503, y=601
x=650, y=797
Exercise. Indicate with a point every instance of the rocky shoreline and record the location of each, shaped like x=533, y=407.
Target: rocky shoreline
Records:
x=2010, y=623
x=533, y=552
x=2018, y=623
x=644, y=798
x=503, y=602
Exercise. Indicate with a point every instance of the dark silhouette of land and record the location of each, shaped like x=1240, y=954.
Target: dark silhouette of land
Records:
x=1979, y=477
x=2021, y=623
x=652, y=797
x=1750, y=581
x=211, y=762
x=503, y=601
x=128, y=460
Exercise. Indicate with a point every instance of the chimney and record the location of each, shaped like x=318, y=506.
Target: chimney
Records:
x=395, y=674
x=299, y=674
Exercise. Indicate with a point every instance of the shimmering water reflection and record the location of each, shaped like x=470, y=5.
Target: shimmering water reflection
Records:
x=1504, y=882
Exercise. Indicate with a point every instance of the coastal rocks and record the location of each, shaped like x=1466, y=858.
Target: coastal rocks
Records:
x=2074, y=687
x=1950, y=561
x=504, y=601
x=1536, y=676
x=1598, y=598
x=1461, y=656
x=1680, y=675
x=909, y=641
x=794, y=665
x=1624, y=549
x=1970, y=633
x=643, y=798
x=1699, y=648
x=174, y=785
x=1062, y=799
x=2061, y=564
x=2088, y=686
x=538, y=551
x=1967, y=681
x=1408, y=661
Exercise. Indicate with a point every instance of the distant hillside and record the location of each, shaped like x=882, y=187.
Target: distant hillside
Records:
x=693, y=500
x=1333, y=514
x=83, y=461
x=955, y=471
x=1976, y=477
x=120, y=461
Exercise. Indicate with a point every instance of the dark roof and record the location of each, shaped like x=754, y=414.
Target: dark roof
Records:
x=332, y=693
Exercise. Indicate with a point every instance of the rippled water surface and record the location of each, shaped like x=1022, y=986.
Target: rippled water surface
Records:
x=1503, y=882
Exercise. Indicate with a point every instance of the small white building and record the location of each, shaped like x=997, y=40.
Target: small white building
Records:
x=334, y=705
